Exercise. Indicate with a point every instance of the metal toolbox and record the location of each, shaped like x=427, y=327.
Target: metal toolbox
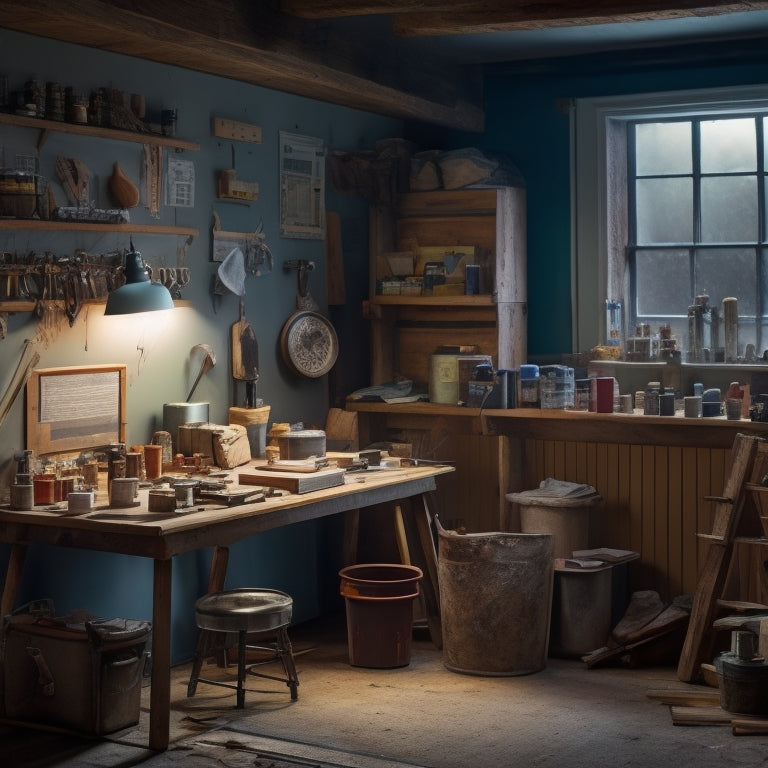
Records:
x=86, y=676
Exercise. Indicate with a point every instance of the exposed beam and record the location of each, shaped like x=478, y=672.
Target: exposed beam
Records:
x=338, y=9
x=216, y=37
x=441, y=17
x=500, y=16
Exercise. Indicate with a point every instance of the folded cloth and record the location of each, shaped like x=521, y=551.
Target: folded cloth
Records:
x=559, y=489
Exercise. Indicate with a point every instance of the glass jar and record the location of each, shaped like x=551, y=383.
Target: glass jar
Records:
x=529, y=386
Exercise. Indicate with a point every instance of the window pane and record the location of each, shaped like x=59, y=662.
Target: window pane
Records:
x=728, y=146
x=727, y=272
x=663, y=283
x=729, y=209
x=663, y=148
x=664, y=211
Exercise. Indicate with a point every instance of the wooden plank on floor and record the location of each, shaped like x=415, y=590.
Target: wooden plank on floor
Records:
x=687, y=697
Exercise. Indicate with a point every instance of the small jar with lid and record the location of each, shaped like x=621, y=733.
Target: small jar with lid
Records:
x=651, y=403
x=529, y=386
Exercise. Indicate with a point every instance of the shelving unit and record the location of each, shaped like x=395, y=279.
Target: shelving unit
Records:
x=407, y=329
x=46, y=127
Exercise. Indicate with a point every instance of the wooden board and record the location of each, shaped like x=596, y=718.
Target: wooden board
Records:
x=295, y=482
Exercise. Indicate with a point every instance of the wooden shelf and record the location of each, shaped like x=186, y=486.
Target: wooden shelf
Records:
x=46, y=126
x=22, y=305
x=485, y=300
x=84, y=226
x=27, y=305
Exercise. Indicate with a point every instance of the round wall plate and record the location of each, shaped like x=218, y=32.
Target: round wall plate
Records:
x=309, y=344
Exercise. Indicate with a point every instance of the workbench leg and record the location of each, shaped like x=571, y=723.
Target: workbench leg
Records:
x=351, y=536
x=160, y=692
x=218, y=573
x=206, y=638
x=13, y=578
x=421, y=545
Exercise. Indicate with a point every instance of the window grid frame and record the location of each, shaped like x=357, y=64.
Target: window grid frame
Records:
x=759, y=320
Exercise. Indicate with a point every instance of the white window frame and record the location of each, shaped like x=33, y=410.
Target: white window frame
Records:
x=598, y=189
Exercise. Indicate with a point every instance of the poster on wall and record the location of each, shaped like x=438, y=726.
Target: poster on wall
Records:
x=302, y=186
x=180, y=184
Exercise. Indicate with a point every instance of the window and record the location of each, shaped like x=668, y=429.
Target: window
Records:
x=695, y=225
x=670, y=195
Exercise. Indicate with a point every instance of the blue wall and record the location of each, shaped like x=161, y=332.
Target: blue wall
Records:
x=303, y=558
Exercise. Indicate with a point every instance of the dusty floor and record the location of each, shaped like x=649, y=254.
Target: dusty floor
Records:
x=418, y=715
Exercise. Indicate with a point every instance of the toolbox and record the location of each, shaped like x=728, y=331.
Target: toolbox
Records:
x=80, y=674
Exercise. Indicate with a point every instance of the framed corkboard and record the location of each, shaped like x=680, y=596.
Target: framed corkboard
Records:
x=75, y=409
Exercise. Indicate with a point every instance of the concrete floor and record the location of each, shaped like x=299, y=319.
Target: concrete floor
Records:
x=418, y=715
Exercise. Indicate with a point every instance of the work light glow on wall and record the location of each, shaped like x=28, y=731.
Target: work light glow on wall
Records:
x=139, y=294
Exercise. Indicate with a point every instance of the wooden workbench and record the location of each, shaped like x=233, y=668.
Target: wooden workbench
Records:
x=136, y=531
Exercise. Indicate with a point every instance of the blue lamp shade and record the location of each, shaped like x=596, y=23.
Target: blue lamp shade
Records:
x=139, y=294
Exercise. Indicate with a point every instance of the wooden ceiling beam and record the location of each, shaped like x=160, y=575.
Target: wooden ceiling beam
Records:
x=499, y=16
x=439, y=17
x=213, y=36
x=339, y=9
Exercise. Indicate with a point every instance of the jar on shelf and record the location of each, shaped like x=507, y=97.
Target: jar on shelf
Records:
x=529, y=386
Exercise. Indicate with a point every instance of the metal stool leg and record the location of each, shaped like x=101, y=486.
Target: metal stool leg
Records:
x=205, y=642
x=241, y=669
x=285, y=650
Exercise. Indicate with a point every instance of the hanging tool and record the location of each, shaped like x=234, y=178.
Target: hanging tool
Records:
x=245, y=356
x=201, y=359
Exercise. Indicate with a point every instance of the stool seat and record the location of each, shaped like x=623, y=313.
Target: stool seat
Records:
x=244, y=611
x=251, y=610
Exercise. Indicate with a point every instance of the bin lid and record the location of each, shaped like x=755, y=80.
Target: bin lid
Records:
x=557, y=493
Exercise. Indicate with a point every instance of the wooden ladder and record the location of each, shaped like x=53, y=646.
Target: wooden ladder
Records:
x=733, y=511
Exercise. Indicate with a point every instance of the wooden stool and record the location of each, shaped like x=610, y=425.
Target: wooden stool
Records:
x=244, y=611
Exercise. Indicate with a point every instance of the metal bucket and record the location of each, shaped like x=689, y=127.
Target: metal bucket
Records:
x=495, y=601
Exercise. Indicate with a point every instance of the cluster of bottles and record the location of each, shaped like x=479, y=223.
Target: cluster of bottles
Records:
x=705, y=324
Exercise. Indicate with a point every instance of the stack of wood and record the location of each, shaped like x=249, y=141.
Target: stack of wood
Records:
x=651, y=632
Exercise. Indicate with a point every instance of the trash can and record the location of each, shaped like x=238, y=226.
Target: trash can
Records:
x=379, y=605
x=565, y=517
x=495, y=601
x=581, y=610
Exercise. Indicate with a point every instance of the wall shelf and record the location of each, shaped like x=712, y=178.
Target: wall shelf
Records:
x=47, y=126
x=84, y=226
x=484, y=300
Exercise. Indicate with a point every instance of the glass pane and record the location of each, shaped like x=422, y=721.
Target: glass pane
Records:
x=728, y=146
x=765, y=143
x=727, y=272
x=663, y=283
x=729, y=209
x=664, y=211
x=663, y=148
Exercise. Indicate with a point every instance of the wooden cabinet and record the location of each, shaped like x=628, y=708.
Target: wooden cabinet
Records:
x=407, y=329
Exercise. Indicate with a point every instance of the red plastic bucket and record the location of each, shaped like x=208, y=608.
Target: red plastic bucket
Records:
x=379, y=605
